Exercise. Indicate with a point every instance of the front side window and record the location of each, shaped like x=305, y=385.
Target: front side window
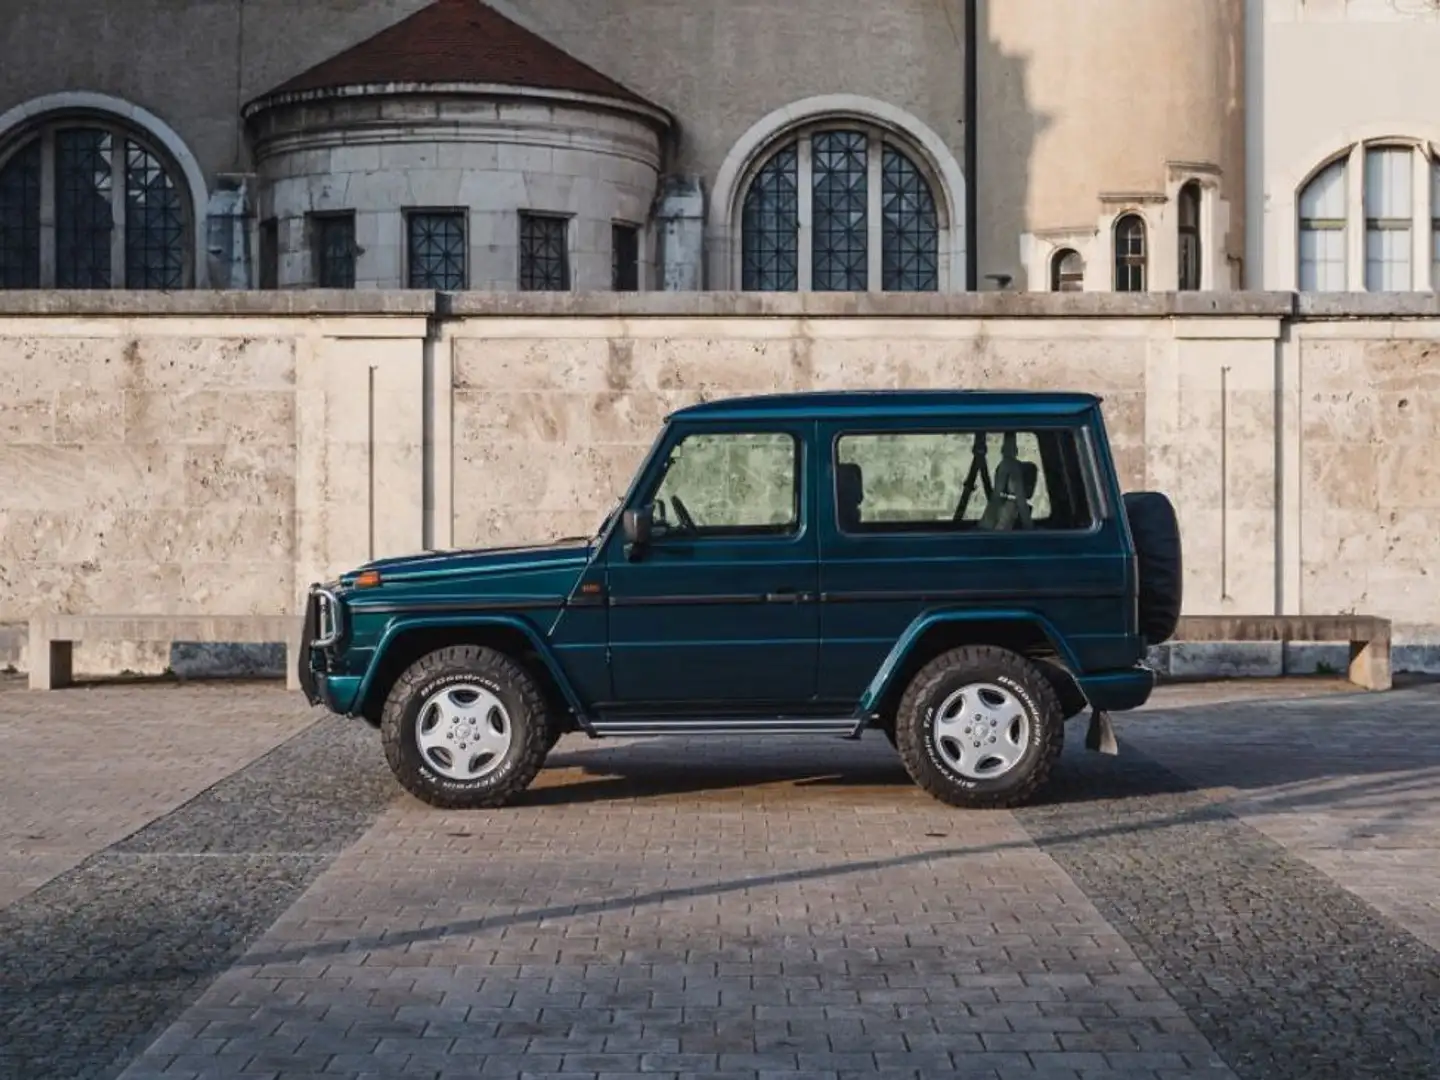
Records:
x=727, y=484
x=1000, y=480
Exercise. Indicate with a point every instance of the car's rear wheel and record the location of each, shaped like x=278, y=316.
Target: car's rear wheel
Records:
x=465, y=727
x=980, y=727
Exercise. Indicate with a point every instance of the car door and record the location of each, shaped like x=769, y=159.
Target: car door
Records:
x=718, y=612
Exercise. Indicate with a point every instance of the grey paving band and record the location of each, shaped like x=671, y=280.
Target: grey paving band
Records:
x=97, y=962
x=1286, y=973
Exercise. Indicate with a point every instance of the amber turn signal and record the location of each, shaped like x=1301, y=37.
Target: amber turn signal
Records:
x=368, y=580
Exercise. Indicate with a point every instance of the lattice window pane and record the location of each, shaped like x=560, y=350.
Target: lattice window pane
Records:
x=624, y=258
x=1387, y=259
x=154, y=223
x=910, y=231
x=20, y=219
x=840, y=235
x=1067, y=271
x=770, y=226
x=1388, y=172
x=1322, y=260
x=544, y=253
x=1130, y=254
x=84, y=219
x=335, y=251
x=437, y=250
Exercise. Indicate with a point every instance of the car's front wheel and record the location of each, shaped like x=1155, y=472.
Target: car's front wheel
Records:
x=465, y=727
x=979, y=727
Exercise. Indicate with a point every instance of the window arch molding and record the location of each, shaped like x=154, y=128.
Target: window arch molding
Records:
x=925, y=149
x=18, y=124
x=1347, y=150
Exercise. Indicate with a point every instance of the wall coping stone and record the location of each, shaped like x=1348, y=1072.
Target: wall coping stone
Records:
x=411, y=303
x=670, y=305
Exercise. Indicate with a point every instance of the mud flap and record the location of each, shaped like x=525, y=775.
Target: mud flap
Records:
x=1101, y=734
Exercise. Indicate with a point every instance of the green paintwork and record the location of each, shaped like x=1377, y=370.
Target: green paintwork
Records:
x=797, y=617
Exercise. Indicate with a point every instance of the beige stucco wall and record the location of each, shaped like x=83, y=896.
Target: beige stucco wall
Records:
x=1090, y=110
x=217, y=458
x=1332, y=74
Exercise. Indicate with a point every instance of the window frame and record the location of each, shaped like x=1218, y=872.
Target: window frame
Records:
x=44, y=131
x=1058, y=275
x=1376, y=225
x=617, y=269
x=567, y=267
x=877, y=138
x=1128, y=261
x=791, y=530
x=1085, y=465
x=408, y=215
x=318, y=223
x=1190, y=250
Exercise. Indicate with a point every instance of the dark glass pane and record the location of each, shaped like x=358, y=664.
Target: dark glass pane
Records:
x=154, y=224
x=84, y=220
x=544, y=253
x=1130, y=255
x=269, y=254
x=20, y=219
x=437, y=251
x=1190, y=236
x=910, y=230
x=335, y=250
x=769, y=226
x=1067, y=271
x=841, y=261
x=624, y=258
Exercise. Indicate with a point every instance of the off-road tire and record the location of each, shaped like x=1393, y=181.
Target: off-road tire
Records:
x=940, y=678
x=507, y=680
x=1155, y=528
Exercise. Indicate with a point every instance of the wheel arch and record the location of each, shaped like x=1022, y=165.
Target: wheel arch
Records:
x=1024, y=632
x=406, y=640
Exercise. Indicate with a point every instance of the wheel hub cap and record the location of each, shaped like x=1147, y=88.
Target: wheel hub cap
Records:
x=463, y=732
x=981, y=731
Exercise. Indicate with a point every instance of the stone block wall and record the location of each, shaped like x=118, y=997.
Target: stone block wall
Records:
x=216, y=452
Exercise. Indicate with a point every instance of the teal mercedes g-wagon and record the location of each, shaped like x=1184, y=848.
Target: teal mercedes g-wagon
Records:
x=958, y=569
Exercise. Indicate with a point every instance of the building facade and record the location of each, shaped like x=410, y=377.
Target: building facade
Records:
x=816, y=145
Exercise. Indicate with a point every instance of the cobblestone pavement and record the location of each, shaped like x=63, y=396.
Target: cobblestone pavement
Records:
x=82, y=768
x=1204, y=906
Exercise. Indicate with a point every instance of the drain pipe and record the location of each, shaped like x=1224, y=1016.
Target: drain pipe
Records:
x=972, y=134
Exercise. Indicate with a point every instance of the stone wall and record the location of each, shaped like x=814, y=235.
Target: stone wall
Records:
x=216, y=452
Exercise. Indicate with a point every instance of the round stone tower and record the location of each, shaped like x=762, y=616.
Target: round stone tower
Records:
x=1111, y=142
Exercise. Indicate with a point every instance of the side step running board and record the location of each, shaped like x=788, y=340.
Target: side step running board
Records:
x=632, y=728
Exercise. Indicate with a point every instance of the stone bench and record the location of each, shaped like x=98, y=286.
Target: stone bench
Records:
x=53, y=637
x=1367, y=635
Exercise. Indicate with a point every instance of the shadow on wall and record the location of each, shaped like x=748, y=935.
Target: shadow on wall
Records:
x=1009, y=129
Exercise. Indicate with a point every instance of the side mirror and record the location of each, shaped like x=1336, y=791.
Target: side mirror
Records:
x=637, y=530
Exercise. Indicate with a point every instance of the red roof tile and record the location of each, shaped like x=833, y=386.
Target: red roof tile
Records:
x=458, y=41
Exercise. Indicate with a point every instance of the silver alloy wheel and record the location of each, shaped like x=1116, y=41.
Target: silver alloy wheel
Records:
x=463, y=732
x=982, y=731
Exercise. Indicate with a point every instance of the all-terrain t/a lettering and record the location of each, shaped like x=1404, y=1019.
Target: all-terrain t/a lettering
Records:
x=959, y=570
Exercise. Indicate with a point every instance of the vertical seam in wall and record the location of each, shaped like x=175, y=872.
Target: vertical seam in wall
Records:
x=1224, y=482
x=370, y=455
x=427, y=434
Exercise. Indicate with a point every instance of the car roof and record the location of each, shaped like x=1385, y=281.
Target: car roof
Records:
x=882, y=404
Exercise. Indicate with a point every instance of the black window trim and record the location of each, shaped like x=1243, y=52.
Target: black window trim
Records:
x=1084, y=457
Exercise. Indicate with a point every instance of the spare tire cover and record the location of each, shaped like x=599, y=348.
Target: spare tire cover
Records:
x=1156, y=531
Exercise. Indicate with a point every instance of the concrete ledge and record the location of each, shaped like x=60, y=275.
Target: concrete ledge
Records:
x=52, y=638
x=74, y=302
x=1367, y=639
x=979, y=305
x=1365, y=305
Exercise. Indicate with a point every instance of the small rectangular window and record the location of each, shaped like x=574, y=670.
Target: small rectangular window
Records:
x=544, y=253
x=435, y=250
x=1388, y=172
x=269, y=254
x=960, y=481
x=730, y=484
x=624, y=258
x=332, y=246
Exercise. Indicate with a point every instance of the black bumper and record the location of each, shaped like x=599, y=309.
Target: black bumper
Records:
x=306, y=672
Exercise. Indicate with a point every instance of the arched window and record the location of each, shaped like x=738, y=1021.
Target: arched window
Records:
x=1067, y=271
x=840, y=208
x=1189, y=229
x=88, y=204
x=1130, y=254
x=1322, y=231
